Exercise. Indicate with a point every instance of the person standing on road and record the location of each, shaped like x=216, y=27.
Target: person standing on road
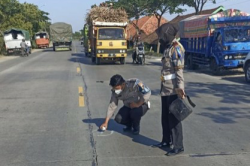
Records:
x=135, y=96
x=172, y=87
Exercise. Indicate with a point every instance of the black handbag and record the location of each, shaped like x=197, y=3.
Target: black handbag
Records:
x=181, y=109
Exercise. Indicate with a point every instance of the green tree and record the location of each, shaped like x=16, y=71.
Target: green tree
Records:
x=160, y=7
x=22, y=15
x=77, y=35
x=134, y=8
x=198, y=5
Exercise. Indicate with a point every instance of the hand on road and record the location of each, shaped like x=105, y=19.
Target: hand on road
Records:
x=104, y=125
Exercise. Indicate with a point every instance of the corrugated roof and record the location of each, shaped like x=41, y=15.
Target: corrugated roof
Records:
x=147, y=25
x=204, y=12
x=153, y=37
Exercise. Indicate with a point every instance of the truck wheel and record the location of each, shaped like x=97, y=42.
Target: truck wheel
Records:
x=143, y=60
x=190, y=64
x=214, y=67
x=5, y=52
x=247, y=72
x=93, y=59
x=98, y=61
x=122, y=61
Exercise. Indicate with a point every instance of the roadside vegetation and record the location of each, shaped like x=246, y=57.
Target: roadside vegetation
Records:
x=14, y=14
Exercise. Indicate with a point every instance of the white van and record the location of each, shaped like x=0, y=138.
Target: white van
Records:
x=13, y=38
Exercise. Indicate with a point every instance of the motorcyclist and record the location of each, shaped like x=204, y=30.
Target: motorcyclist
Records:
x=138, y=47
x=24, y=47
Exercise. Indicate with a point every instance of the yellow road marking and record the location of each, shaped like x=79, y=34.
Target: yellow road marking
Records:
x=78, y=70
x=81, y=97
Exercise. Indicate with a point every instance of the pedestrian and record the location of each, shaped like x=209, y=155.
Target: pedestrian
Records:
x=172, y=87
x=135, y=96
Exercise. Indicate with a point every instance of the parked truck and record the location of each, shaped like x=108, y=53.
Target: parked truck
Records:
x=107, y=34
x=42, y=39
x=246, y=68
x=13, y=37
x=86, y=41
x=220, y=41
x=61, y=35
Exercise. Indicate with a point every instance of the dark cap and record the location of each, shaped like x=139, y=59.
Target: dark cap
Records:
x=116, y=80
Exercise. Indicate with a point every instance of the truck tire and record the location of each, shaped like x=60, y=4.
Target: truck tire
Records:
x=247, y=72
x=214, y=67
x=93, y=59
x=98, y=61
x=122, y=61
x=143, y=60
x=190, y=63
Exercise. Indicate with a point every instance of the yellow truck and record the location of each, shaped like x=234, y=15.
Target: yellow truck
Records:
x=107, y=34
x=108, y=42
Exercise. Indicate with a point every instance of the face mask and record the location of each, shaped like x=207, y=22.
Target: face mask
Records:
x=118, y=91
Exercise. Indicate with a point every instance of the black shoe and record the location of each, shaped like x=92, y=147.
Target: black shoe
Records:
x=136, y=132
x=175, y=152
x=127, y=128
x=162, y=145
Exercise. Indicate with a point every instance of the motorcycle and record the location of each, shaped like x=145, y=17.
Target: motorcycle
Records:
x=139, y=55
x=25, y=51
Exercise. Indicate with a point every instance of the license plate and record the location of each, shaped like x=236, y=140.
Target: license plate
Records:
x=140, y=56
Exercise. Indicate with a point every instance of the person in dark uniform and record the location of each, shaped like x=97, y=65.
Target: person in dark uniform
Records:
x=172, y=87
x=135, y=96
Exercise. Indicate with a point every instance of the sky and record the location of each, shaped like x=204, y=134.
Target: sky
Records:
x=74, y=11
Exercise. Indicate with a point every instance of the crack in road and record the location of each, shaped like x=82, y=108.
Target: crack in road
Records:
x=90, y=127
x=182, y=155
x=55, y=161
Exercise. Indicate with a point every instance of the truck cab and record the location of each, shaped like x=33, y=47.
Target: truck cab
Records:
x=230, y=46
x=42, y=39
x=109, y=42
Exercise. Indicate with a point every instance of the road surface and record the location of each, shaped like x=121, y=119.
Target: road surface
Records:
x=52, y=103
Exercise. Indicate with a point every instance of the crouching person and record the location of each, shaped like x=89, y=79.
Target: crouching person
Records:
x=135, y=96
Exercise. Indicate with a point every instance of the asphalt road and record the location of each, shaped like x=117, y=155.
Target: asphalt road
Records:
x=52, y=103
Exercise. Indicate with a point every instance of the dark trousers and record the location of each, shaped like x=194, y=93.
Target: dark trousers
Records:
x=171, y=127
x=131, y=117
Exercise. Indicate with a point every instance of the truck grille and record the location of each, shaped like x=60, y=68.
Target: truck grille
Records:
x=111, y=51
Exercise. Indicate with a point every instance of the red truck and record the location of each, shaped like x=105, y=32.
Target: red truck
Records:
x=42, y=39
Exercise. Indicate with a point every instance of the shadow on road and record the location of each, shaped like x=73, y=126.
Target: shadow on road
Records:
x=113, y=126
x=237, y=79
x=81, y=58
x=227, y=94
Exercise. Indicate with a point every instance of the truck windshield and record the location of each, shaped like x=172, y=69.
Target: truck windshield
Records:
x=237, y=35
x=111, y=33
x=41, y=35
